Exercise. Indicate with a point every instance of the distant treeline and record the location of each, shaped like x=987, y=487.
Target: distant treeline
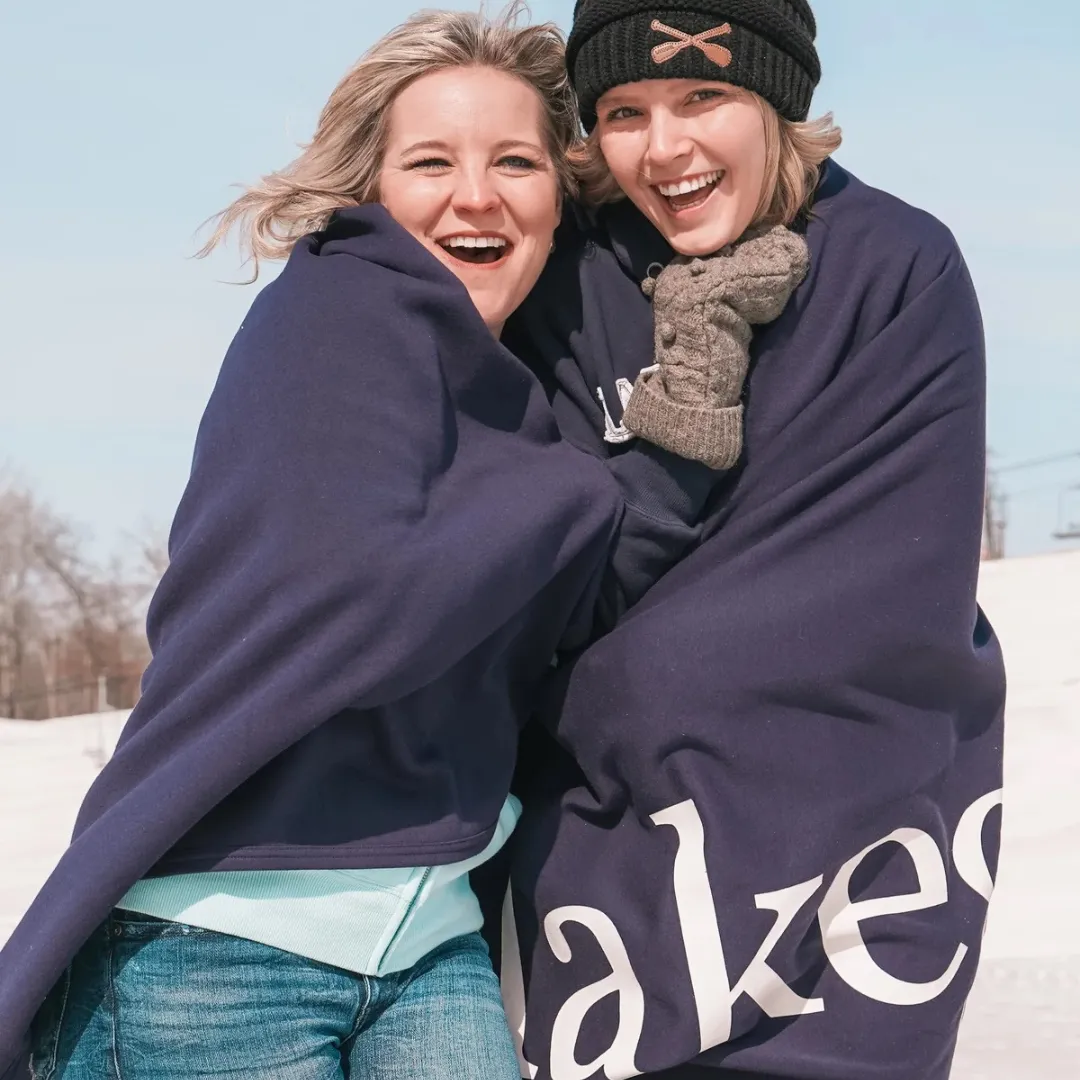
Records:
x=72, y=636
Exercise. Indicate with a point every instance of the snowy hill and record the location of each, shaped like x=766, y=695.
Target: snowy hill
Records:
x=45, y=769
x=1024, y=1017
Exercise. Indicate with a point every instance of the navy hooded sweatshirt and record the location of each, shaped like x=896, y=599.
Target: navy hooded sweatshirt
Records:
x=762, y=816
x=383, y=542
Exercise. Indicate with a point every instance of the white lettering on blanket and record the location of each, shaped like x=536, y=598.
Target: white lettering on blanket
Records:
x=839, y=917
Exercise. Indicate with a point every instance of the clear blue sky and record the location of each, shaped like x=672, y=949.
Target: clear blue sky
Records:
x=125, y=123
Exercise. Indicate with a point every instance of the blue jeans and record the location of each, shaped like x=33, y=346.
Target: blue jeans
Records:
x=152, y=1000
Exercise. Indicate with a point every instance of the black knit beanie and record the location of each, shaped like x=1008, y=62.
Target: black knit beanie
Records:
x=763, y=45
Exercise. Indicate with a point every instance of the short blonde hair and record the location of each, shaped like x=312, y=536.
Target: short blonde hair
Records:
x=341, y=165
x=794, y=155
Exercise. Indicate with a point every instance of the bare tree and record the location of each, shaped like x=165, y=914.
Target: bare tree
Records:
x=66, y=623
x=153, y=547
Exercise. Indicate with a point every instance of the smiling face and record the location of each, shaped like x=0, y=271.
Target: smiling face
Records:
x=468, y=173
x=690, y=155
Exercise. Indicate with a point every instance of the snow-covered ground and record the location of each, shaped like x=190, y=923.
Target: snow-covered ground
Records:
x=1023, y=1019
x=45, y=769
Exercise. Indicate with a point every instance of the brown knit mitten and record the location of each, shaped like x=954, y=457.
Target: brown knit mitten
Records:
x=703, y=311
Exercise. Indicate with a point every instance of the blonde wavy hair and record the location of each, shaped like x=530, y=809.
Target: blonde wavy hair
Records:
x=794, y=155
x=341, y=165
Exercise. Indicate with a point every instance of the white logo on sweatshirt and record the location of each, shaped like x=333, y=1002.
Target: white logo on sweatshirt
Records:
x=619, y=433
x=715, y=993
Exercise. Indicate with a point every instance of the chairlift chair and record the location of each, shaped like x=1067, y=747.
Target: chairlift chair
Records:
x=1069, y=514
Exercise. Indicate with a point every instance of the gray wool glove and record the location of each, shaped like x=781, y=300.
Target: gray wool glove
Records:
x=703, y=311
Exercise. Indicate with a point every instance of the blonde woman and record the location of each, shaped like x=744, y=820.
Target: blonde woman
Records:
x=762, y=840
x=384, y=541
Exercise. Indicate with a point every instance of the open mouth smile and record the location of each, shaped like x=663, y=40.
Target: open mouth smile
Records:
x=488, y=249
x=691, y=192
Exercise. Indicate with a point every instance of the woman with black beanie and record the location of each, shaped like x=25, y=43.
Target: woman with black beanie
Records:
x=762, y=815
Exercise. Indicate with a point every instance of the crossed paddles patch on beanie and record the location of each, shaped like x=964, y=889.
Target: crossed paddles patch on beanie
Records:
x=766, y=46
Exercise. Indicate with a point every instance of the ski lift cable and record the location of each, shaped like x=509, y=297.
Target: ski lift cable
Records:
x=1027, y=493
x=1038, y=462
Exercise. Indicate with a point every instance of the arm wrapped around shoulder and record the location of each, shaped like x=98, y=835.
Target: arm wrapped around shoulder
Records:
x=703, y=312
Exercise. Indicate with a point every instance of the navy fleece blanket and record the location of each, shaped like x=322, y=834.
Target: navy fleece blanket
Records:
x=760, y=837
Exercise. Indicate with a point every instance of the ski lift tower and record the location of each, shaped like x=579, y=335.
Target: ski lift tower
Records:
x=1069, y=514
